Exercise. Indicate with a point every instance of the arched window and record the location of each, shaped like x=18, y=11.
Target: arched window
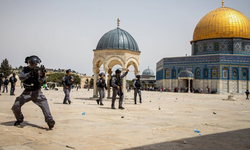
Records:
x=225, y=73
x=235, y=74
x=205, y=73
x=214, y=73
x=198, y=73
x=244, y=74
x=173, y=73
x=167, y=73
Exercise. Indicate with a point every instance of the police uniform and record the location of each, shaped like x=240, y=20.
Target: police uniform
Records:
x=32, y=82
x=1, y=82
x=67, y=82
x=137, y=89
x=116, y=81
x=13, y=81
x=101, y=86
x=5, y=85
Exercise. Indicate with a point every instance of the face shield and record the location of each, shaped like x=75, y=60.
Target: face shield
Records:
x=33, y=61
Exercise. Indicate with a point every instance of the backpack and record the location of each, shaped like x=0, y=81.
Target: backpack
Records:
x=6, y=82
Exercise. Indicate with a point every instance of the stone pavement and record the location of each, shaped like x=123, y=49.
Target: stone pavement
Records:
x=164, y=121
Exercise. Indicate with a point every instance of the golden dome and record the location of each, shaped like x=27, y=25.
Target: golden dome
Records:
x=223, y=22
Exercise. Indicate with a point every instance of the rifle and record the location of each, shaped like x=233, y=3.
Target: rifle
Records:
x=36, y=69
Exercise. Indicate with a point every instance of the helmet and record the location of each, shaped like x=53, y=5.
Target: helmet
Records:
x=118, y=71
x=14, y=74
x=138, y=76
x=1, y=74
x=69, y=70
x=33, y=59
x=101, y=74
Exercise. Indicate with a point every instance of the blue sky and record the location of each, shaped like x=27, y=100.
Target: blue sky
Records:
x=63, y=33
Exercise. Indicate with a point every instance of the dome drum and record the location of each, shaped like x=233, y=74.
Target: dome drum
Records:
x=221, y=46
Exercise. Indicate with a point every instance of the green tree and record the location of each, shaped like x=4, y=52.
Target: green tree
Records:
x=5, y=67
x=77, y=79
x=87, y=82
x=91, y=82
x=130, y=82
x=57, y=77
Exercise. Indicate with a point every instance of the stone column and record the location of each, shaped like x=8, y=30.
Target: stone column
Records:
x=109, y=89
x=124, y=84
x=179, y=85
x=189, y=86
x=95, y=91
x=106, y=80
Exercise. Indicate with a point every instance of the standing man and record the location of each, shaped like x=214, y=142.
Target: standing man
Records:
x=101, y=84
x=13, y=84
x=77, y=86
x=88, y=87
x=137, y=88
x=1, y=81
x=68, y=81
x=116, y=83
x=33, y=77
x=247, y=94
x=5, y=85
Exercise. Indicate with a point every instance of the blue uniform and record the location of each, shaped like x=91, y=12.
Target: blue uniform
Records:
x=32, y=92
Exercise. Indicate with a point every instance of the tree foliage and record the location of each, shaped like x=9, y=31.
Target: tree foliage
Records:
x=91, y=82
x=5, y=67
x=87, y=82
x=57, y=77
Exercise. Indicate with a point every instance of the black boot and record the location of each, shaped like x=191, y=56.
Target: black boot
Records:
x=112, y=107
x=121, y=108
x=51, y=124
x=97, y=102
x=17, y=123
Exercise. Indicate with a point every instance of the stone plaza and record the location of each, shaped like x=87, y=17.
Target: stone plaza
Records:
x=163, y=121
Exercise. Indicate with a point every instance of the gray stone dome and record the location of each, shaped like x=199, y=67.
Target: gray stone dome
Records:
x=148, y=72
x=117, y=39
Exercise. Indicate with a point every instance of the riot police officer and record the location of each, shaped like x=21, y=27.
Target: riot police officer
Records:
x=33, y=77
x=101, y=84
x=1, y=81
x=116, y=83
x=137, y=88
x=67, y=81
x=5, y=84
x=12, y=81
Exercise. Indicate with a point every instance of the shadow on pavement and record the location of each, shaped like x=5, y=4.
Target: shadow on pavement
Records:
x=85, y=99
x=23, y=124
x=105, y=107
x=232, y=140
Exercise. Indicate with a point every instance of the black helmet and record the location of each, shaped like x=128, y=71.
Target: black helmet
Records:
x=33, y=59
x=118, y=71
x=101, y=74
x=138, y=76
x=14, y=74
x=69, y=70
